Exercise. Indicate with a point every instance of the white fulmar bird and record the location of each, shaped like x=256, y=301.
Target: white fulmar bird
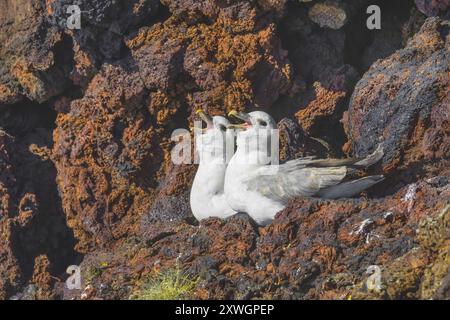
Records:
x=207, y=196
x=261, y=192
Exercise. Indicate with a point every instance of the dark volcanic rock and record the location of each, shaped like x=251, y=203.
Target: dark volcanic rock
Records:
x=323, y=49
x=294, y=142
x=395, y=30
x=171, y=204
x=322, y=114
x=33, y=60
x=314, y=249
x=104, y=25
x=160, y=62
x=208, y=10
x=9, y=265
x=433, y=7
x=403, y=100
x=31, y=217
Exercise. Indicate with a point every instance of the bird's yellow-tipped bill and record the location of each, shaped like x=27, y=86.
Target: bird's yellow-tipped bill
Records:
x=233, y=113
x=205, y=117
x=240, y=115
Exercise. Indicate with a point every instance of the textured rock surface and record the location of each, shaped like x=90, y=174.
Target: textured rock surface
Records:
x=100, y=156
x=433, y=7
x=295, y=143
x=330, y=14
x=86, y=118
x=329, y=102
x=32, y=63
x=398, y=25
x=31, y=218
x=314, y=249
x=107, y=179
x=413, y=123
x=104, y=24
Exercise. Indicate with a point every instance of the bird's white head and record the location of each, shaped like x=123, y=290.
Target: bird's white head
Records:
x=216, y=141
x=262, y=120
x=253, y=120
x=256, y=133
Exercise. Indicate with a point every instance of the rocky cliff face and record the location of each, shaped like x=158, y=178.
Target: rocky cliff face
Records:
x=86, y=118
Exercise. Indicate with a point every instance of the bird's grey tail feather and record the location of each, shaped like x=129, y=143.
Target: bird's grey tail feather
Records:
x=349, y=188
x=372, y=158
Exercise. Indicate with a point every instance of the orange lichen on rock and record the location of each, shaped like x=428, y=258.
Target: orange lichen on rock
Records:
x=323, y=106
x=109, y=150
x=225, y=63
x=7, y=95
x=328, y=14
x=48, y=5
x=112, y=149
x=315, y=249
x=26, y=77
x=42, y=278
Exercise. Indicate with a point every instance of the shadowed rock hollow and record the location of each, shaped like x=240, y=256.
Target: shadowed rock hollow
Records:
x=86, y=118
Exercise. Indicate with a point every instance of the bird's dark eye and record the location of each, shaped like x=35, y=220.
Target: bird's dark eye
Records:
x=223, y=128
x=262, y=122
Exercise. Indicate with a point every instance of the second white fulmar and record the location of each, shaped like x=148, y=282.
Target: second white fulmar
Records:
x=261, y=192
x=207, y=196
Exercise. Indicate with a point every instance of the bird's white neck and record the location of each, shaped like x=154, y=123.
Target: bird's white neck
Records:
x=207, y=192
x=253, y=150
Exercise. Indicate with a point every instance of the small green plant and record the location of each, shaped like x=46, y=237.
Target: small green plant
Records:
x=169, y=284
x=92, y=274
x=95, y=272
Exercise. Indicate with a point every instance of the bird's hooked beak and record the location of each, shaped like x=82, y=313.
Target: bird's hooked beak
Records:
x=241, y=116
x=206, y=118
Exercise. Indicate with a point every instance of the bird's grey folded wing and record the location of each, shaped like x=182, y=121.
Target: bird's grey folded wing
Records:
x=286, y=182
x=298, y=163
x=319, y=163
